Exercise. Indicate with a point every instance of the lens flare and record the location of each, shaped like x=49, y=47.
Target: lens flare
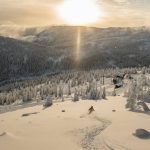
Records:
x=79, y=12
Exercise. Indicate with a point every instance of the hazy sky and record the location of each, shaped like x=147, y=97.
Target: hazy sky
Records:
x=42, y=12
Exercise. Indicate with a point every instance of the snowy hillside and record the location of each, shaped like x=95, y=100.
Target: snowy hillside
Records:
x=38, y=50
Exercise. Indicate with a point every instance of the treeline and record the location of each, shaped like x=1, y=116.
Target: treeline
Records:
x=86, y=84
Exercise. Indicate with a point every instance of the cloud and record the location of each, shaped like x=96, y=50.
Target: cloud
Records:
x=41, y=12
x=29, y=12
x=126, y=12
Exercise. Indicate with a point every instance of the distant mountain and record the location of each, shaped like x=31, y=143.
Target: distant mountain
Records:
x=43, y=49
x=100, y=47
x=23, y=59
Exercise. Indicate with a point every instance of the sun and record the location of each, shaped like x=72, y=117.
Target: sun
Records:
x=79, y=12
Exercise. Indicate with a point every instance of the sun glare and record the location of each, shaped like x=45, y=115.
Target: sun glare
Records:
x=79, y=12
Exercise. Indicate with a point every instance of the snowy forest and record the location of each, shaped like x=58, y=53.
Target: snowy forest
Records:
x=80, y=85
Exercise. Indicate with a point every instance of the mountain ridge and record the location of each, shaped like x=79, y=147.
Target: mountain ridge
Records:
x=54, y=49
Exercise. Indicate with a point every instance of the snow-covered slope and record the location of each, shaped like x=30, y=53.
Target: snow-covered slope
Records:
x=74, y=129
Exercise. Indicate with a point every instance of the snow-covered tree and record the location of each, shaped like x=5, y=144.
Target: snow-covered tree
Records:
x=104, y=93
x=76, y=95
x=132, y=98
x=48, y=102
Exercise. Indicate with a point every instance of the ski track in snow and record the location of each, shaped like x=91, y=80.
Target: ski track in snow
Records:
x=87, y=142
x=89, y=134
